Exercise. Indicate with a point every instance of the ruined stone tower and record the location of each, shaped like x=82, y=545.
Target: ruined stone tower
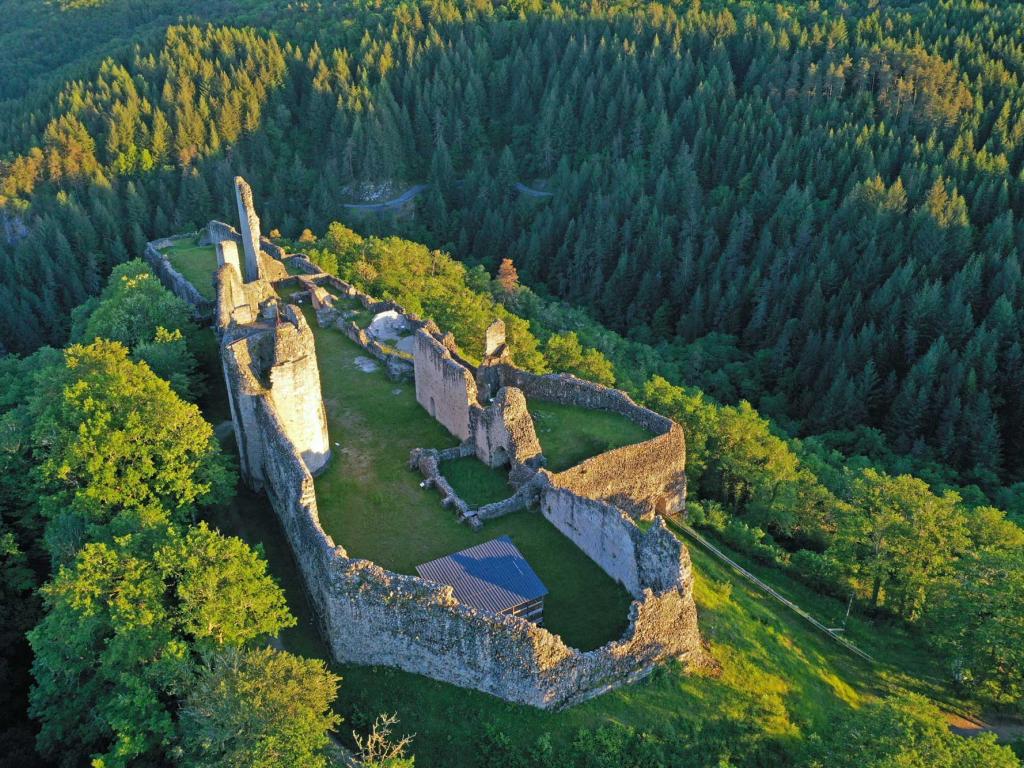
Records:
x=249, y=225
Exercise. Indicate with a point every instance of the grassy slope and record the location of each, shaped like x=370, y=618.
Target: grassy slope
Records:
x=569, y=434
x=373, y=505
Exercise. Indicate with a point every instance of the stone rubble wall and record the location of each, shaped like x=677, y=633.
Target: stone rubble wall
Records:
x=444, y=387
x=638, y=560
x=175, y=282
x=646, y=478
x=503, y=433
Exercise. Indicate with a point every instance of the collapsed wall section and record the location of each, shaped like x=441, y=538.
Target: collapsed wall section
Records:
x=503, y=433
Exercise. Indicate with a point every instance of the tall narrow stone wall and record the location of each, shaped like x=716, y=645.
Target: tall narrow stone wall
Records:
x=295, y=388
x=443, y=385
x=249, y=224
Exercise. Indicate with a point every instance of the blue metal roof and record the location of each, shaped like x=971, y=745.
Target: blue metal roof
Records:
x=493, y=576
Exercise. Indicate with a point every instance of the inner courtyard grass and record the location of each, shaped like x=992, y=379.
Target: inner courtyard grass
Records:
x=196, y=263
x=570, y=434
x=287, y=291
x=475, y=482
x=372, y=504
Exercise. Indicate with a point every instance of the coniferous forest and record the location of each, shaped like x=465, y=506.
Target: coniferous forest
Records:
x=796, y=228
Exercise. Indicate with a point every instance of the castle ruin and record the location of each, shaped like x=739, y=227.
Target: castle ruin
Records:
x=369, y=615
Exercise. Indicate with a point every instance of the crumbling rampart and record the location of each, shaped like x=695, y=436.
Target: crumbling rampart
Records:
x=645, y=478
x=172, y=279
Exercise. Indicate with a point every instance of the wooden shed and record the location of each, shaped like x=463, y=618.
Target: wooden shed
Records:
x=493, y=576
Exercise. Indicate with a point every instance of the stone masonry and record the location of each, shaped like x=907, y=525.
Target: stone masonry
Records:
x=369, y=615
x=250, y=230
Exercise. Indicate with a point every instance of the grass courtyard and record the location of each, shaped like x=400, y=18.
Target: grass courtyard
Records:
x=570, y=434
x=373, y=505
x=196, y=263
x=475, y=482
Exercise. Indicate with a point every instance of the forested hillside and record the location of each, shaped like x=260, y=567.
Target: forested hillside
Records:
x=811, y=208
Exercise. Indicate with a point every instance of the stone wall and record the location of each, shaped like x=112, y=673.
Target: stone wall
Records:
x=444, y=386
x=250, y=230
x=369, y=615
x=645, y=479
x=172, y=279
x=503, y=433
x=638, y=560
x=272, y=359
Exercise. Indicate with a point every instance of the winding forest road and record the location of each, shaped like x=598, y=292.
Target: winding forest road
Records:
x=398, y=202
x=416, y=189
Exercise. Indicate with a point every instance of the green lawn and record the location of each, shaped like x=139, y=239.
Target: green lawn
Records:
x=196, y=263
x=292, y=268
x=570, y=434
x=373, y=505
x=475, y=482
x=287, y=291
